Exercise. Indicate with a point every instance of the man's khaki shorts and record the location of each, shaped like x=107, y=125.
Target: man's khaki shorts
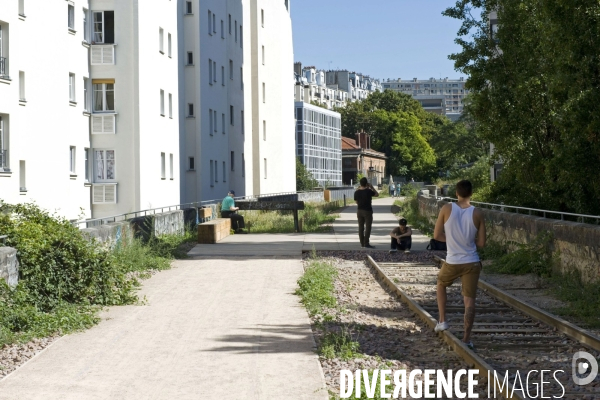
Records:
x=468, y=273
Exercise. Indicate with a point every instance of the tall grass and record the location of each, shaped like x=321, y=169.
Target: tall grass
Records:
x=315, y=218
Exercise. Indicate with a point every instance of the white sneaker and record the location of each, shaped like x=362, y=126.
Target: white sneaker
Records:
x=393, y=250
x=441, y=326
x=406, y=251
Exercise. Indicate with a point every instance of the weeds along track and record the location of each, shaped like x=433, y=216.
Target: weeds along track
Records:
x=508, y=336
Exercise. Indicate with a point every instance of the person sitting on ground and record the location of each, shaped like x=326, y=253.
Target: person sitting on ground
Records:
x=229, y=210
x=401, y=237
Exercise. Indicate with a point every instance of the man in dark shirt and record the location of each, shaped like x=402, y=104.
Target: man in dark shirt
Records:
x=363, y=196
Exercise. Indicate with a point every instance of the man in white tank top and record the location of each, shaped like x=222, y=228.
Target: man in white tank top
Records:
x=462, y=227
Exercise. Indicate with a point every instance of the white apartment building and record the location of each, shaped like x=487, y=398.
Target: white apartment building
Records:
x=44, y=125
x=213, y=119
x=319, y=142
x=439, y=96
x=237, y=129
x=118, y=129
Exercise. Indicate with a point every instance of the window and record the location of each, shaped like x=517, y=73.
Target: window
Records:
x=264, y=130
x=191, y=163
x=243, y=165
x=229, y=24
x=232, y=161
x=210, y=22
x=162, y=166
x=216, y=172
x=231, y=118
x=231, y=69
x=264, y=93
x=212, y=184
x=241, y=37
x=242, y=78
x=215, y=119
x=86, y=94
x=210, y=64
x=169, y=45
x=214, y=71
x=3, y=147
x=188, y=7
x=72, y=160
x=104, y=27
x=223, y=122
x=222, y=29
x=86, y=155
x=22, y=11
x=71, y=15
x=223, y=75
x=190, y=109
x=224, y=172
x=190, y=58
x=170, y=105
x=104, y=97
x=287, y=5
x=21, y=85
x=212, y=123
x=243, y=122
x=171, y=166
x=236, y=31
x=214, y=23
x=22, y=176
x=71, y=87
x=263, y=55
x=105, y=165
x=162, y=102
x=86, y=27
x=265, y=168
x=161, y=40
x=262, y=18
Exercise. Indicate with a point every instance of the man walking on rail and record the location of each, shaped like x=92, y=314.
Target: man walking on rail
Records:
x=462, y=227
x=363, y=196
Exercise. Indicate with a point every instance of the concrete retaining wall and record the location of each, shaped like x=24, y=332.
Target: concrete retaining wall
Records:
x=578, y=244
x=9, y=266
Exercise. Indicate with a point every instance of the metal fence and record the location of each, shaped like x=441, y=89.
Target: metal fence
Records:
x=89, y=223
x=564, y=216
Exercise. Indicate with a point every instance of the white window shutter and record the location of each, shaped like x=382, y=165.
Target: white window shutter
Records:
x=98, y=192
x=110, y=194
x=96, y=55
x=103, y=54
x=103, y=124
x=97, y=124
x=109, y=124
x=104, y=193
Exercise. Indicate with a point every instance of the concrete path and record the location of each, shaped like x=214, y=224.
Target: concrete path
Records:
x=345, y=230
x=211, y=329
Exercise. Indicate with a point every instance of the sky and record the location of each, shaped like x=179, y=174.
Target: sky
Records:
x=381, y=38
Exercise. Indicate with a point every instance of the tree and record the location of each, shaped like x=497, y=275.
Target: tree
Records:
x=535, y=95
x=304, y=179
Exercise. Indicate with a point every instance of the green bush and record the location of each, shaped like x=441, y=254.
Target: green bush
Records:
x=316, y=286
x=339, y=345
x=534, y=257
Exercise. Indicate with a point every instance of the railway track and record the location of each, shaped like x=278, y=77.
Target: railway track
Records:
x=509, y=335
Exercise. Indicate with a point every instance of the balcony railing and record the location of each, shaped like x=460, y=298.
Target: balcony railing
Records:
x=3, y=67
x=3, y=160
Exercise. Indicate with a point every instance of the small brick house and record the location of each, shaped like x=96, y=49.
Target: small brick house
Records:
x=358, y=157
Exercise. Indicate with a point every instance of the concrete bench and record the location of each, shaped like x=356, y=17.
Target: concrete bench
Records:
x=214, y=231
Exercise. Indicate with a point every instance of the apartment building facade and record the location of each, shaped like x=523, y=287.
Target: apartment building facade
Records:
x=440, y=96
x=319, y=142
x=116, y=137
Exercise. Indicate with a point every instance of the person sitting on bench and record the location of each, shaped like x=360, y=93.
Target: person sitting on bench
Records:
x=401, y=237
x=229, y=210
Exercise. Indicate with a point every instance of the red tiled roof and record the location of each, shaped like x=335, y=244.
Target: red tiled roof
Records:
x=349, y=144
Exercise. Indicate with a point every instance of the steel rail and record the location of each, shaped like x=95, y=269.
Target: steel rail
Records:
x=456, y=344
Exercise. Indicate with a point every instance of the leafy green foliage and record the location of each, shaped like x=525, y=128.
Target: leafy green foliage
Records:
x=409, y=209
x=339, y=345
x=534, y=257
x=583, y=300
x=304, y=179
x=316, y=286
x=534, y=95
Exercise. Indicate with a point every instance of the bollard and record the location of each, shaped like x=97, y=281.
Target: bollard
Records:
x=344, y=200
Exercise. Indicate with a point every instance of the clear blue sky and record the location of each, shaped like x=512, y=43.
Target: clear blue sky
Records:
x=381, y=38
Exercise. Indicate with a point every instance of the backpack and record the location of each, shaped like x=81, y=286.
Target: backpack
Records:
x=436, y=245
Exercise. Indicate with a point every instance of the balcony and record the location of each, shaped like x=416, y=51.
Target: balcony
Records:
x=4, y=68
x=4, y=161
x=103, y=54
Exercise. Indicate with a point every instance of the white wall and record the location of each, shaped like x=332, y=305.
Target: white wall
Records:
x=41, y=130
